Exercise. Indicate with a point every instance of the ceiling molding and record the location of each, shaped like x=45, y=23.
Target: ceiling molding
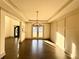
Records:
x=42, y=21
x=14, y=7
x=64, y=6
x=8, y=2
x=37, y=20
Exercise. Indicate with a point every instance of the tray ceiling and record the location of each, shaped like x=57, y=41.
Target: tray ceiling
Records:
x=46, y=8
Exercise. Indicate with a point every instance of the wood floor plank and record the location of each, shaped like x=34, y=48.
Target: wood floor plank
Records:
x=32, y=49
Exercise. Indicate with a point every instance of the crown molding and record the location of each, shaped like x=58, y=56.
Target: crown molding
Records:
x=11, y=5
x=15, y=8
x=55, y=14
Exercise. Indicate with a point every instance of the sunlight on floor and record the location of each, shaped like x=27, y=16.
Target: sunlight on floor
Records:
x=50, y=43
x=60, y=40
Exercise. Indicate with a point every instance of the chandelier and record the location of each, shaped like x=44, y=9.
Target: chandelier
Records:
x=37, y=21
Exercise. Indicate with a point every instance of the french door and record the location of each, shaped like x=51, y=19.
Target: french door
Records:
x=37, y=32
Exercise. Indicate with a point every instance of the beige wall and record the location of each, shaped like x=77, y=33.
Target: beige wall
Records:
x=10, y=22
x=53, y=31
x=68, y=28
x=46, y=31
x=60, y=33
x=22, y=31
x=2, y=35
x=29, y=30
x=9, y=26
x=7, y=23
x=72, y=33
x=57, y=32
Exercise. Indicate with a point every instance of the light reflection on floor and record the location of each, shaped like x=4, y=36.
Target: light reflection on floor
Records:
x=32, y=49
x=37, y=46
x=17, y=46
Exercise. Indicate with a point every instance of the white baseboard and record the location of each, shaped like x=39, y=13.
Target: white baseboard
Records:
x=67, y=53
x=2, y=55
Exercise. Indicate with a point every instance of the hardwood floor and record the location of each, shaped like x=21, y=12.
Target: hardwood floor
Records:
x=32, y=49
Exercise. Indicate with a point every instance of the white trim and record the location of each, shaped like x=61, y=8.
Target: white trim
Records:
x=68, y=54
x=2, y=55
x=15, y=9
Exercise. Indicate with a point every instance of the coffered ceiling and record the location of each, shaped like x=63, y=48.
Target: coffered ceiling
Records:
x=48, y=9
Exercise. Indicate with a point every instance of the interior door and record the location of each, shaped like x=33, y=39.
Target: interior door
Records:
x=17, y=31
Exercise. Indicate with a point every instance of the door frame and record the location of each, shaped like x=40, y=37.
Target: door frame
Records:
x=37, y=33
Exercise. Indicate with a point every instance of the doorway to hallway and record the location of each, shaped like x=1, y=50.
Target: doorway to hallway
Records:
x=37, y=32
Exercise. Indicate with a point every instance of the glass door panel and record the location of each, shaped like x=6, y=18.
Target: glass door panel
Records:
x=37, y=32
x=34, y=32
x=40, y=34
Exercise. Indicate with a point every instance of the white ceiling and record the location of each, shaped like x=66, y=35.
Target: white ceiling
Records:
x=48, y=9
